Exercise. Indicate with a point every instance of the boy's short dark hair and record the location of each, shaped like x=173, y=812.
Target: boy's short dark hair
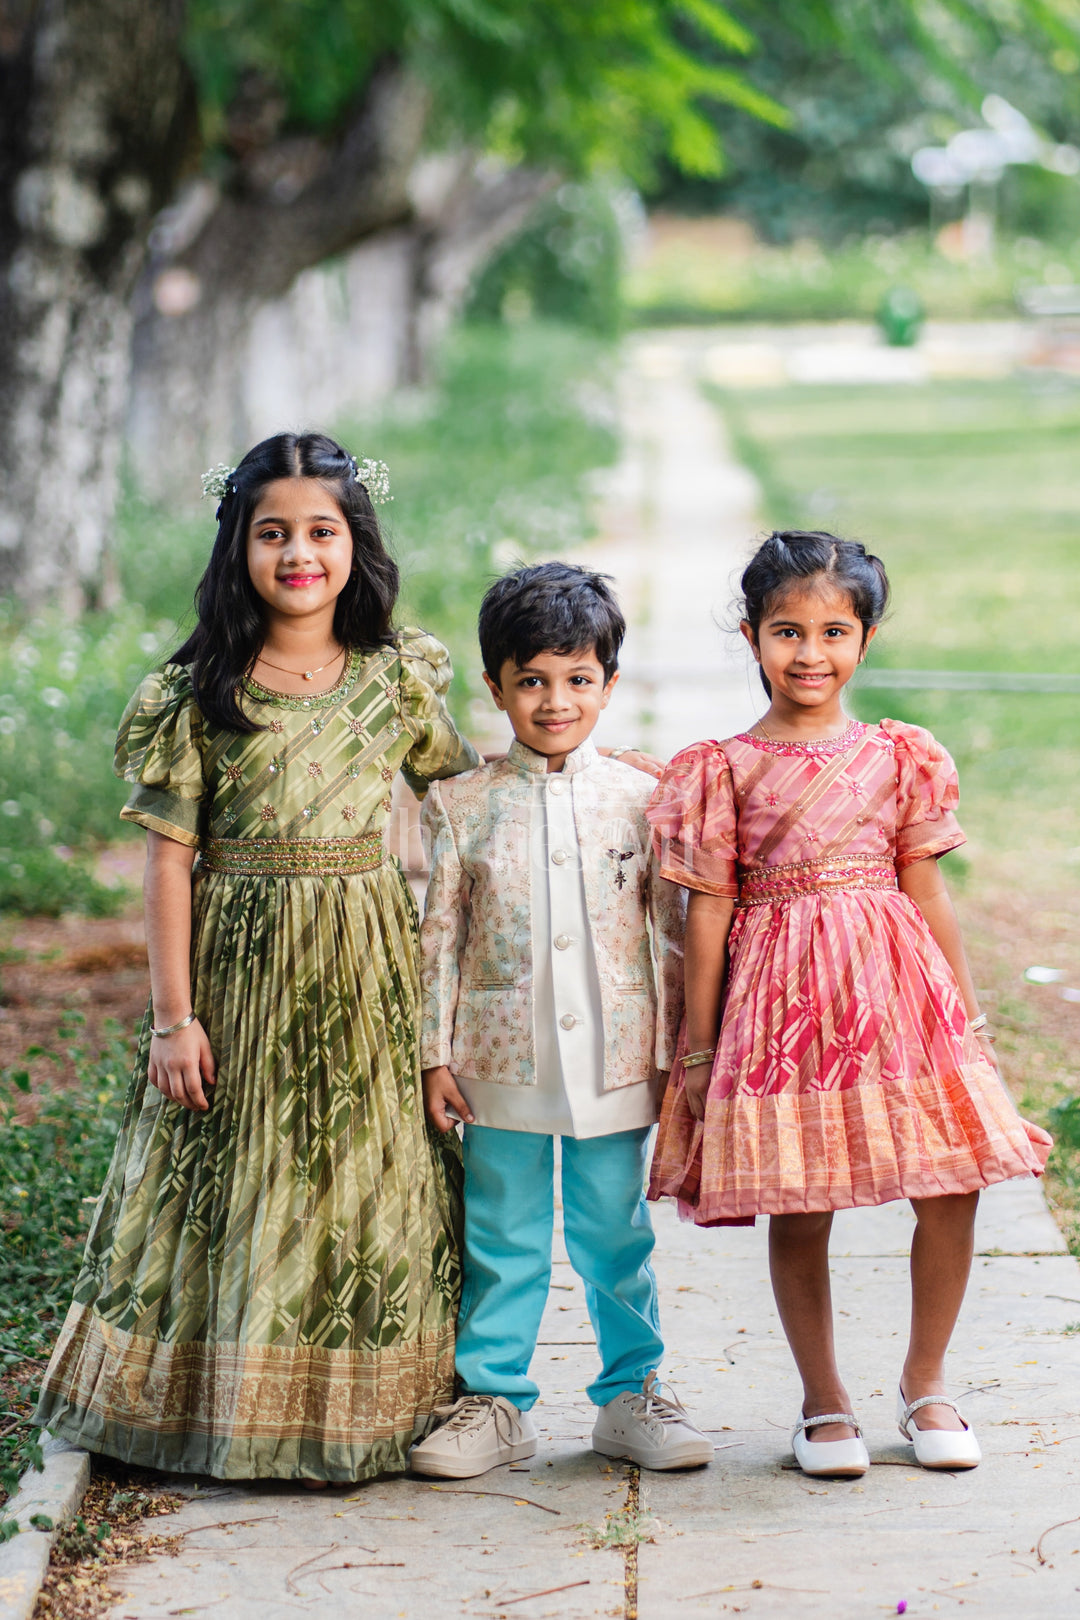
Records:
x=549, y=607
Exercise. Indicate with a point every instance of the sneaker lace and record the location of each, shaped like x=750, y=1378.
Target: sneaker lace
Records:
x=464, y=1412
x=664, y=1408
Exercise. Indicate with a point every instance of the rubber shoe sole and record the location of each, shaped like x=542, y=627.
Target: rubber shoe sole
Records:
x=688, y=1453
x=469, y=1467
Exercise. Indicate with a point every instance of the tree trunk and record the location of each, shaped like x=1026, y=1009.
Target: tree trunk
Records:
x=219, y=257
x=95, y=114
x=231, y=346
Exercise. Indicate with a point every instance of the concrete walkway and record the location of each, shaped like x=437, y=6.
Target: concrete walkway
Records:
x=750, y=1534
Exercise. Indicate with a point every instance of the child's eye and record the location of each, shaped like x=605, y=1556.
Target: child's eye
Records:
x=529, y=680
x=322, y=534
x=581, y=680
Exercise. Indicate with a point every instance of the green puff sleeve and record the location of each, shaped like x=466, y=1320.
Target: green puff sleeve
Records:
x=438, y=747
x=159, y=751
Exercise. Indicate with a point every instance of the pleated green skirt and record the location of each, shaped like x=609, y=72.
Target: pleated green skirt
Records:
x=269, y=1289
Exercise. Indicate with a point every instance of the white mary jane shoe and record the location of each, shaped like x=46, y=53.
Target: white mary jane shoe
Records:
x=844, y=1459
x=938, y=1448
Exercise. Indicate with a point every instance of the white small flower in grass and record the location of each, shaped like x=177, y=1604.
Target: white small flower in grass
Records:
x=45, y=827
x=11, y=807
x=148, y=643
x=16, y=870
x=26, y=657
x=8, y=724
x=53, y=696
x=375, y=477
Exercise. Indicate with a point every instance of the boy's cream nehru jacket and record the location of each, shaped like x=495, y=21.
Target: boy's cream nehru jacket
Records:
x=552, y=948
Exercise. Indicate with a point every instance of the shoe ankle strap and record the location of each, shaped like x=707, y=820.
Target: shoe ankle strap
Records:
x=808, y=1423
x=928, y=1400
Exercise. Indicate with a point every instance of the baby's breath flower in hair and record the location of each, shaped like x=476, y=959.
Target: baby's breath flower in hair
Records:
x=375, y=477
x=216, y=481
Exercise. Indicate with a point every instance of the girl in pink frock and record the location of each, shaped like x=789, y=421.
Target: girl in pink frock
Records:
x=834, y=1052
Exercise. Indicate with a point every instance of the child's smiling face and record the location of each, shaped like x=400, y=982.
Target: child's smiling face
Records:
x=300, y=548
x=809, y=644
x=554, y=700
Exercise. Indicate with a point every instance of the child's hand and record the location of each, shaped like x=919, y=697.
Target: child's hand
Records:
x=638, y=758
x=986, y=1046
x=440, y=1093
x=181, y=1065
x=696, y=1081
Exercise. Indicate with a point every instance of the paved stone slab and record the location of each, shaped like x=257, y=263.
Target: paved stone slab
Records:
x=839, y=1549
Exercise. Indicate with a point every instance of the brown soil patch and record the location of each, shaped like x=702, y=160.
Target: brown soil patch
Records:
x=1009, y=927
x=92, y=966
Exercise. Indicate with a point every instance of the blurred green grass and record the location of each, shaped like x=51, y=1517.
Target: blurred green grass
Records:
x=489, y=464
x=681, y=279
x=968, y=491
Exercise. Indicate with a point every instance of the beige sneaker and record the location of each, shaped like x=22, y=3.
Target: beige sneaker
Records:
x=477, y=1433
x=650, y=1429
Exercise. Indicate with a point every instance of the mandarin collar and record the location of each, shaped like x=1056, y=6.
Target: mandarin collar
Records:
x=525, y=759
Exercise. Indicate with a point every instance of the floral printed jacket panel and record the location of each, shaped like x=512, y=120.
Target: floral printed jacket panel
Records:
x=479, y=1014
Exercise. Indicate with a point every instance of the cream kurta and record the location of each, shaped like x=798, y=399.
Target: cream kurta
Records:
x=540, y=989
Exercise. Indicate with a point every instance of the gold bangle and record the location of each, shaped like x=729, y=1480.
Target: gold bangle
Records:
x=693, y=1060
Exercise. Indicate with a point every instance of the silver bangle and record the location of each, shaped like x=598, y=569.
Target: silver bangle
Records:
x=172, y=1028
x=622, y=748
x=975, y=1024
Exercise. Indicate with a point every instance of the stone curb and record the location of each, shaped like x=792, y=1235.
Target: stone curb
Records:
x=58, y=1492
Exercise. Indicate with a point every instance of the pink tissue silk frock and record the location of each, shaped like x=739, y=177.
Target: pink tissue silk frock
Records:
x=845, y=1072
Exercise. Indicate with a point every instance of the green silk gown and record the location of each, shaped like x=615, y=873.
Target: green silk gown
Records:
x=269, y=1288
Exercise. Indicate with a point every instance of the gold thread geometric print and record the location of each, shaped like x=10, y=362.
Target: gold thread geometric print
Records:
x=270, y=1287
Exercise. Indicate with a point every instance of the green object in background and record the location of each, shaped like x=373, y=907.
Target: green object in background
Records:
x=900, y=316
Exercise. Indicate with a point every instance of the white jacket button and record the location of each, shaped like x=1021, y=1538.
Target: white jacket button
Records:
x=562, y=941
x=559, y=857
x=567, y=1020
x=556, y=785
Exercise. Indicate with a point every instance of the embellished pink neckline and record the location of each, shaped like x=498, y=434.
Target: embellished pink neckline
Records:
x=827, y=745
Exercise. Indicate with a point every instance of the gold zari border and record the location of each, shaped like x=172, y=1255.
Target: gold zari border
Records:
x=293, y=857
x=765, y=885
x=243, y=1391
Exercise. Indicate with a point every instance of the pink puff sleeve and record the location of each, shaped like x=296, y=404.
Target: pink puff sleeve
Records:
x=692, y=814
x=927, y=793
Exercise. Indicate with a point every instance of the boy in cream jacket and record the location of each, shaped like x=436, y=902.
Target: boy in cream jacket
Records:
x=552, y=989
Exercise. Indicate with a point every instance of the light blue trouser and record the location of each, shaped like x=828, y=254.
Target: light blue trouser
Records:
x=509, y=1221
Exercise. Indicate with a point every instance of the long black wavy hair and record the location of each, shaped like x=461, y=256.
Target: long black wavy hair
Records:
x=792, y=557
x=226, y=642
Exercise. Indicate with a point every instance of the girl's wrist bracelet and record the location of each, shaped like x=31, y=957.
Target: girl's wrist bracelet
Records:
x=171, y=1029
x=975, y=1024
x=693, y=1059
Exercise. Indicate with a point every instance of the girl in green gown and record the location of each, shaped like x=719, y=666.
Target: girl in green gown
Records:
x=271, y=1278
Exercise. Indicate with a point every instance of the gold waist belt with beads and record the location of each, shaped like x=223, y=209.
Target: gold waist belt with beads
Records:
x=293, y=857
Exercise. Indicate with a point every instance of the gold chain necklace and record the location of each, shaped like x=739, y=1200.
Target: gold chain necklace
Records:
x=307, y=674
x=770, y=738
